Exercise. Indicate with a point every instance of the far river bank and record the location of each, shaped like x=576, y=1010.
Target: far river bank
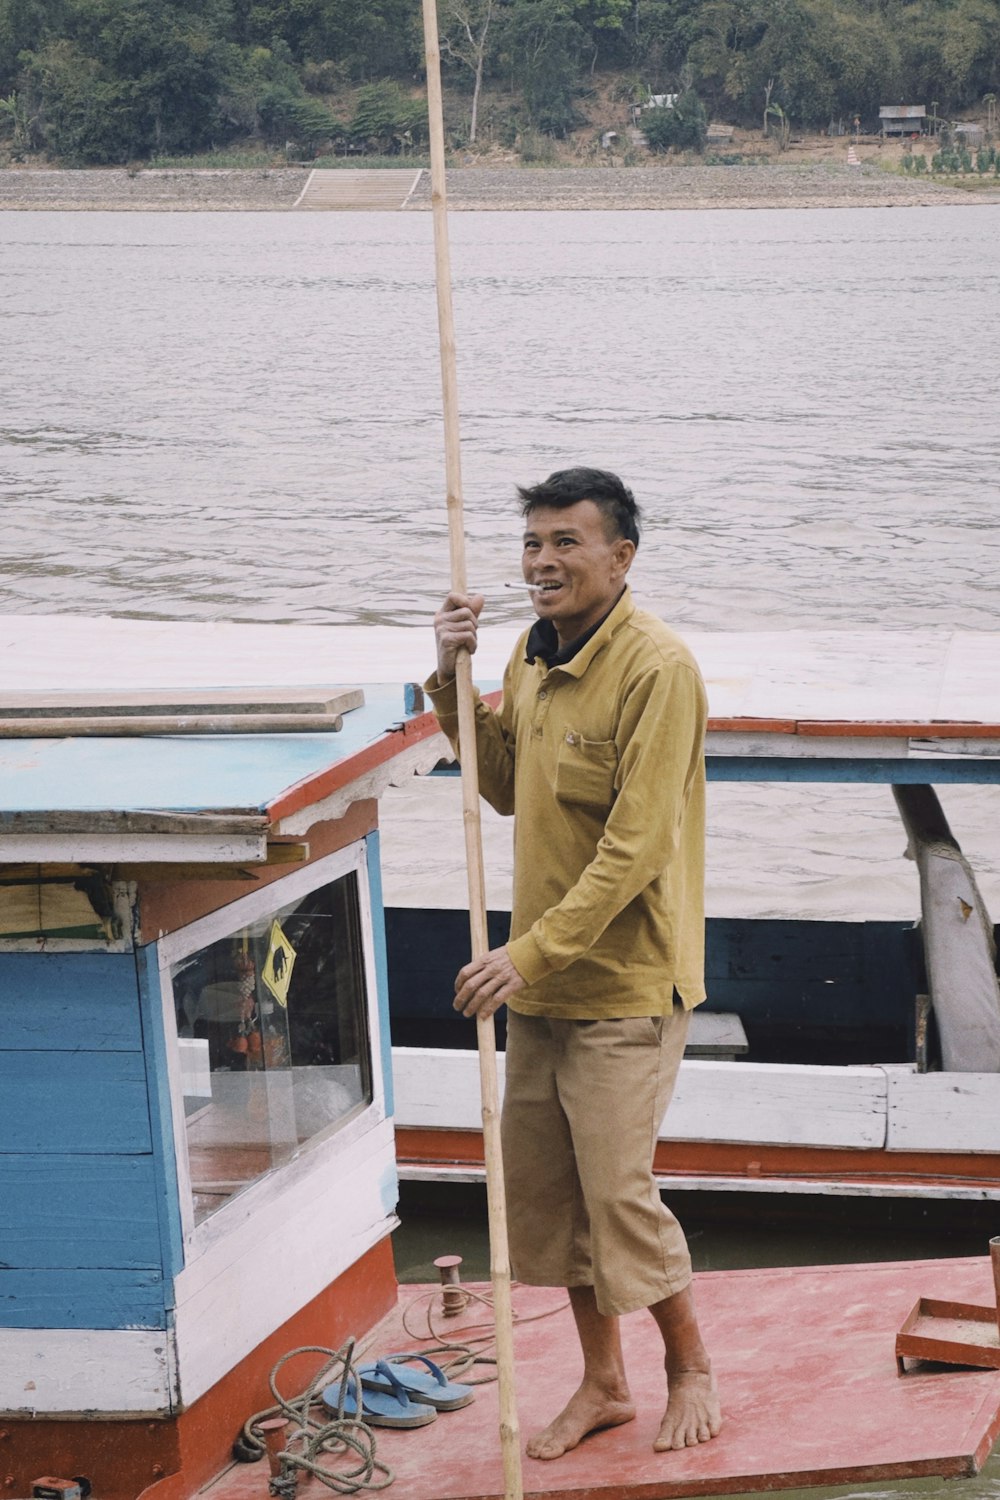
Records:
x=676, y=185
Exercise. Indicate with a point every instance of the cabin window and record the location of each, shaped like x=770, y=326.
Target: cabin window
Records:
x=273, y=1042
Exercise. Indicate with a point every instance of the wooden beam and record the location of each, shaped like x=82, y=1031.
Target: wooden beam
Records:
x=323, y=700
x=159, y=724
x=957, y=933
x=128, y=847
x=290, y=852
x=898, y=728
x=115, y=820
x=160, y=872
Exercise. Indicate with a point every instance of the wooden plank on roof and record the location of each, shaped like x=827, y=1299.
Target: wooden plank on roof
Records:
x=294, y=700
x=134, y=725
x=118, y=820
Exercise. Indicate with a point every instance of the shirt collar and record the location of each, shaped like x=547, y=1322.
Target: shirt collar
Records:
x=543, y=642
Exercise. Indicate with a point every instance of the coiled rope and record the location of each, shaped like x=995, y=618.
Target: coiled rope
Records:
x=313, y=1442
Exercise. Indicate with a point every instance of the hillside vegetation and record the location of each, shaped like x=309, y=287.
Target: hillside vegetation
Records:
x=113, y=81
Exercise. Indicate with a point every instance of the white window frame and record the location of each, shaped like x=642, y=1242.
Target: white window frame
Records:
x=328, y=1145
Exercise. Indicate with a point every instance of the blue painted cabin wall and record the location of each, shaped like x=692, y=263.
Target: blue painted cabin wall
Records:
x=85, y=1232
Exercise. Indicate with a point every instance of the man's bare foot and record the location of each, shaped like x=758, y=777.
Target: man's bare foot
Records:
x=588, y=1410
x=693, y=1413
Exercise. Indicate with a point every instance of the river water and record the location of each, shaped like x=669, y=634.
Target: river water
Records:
x=237, y=416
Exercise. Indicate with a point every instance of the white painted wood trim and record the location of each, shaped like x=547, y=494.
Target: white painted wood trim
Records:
x=804, y=747
x=757, y=1103
x=281, y=1256
x=414, y=760
x=305, y=190
x=806, y=1187
x=299, y=1227
x=943, y=1111
x=778, y=1104
x=331, y=1143
x=955, y=749
x=77, y=1371
x=136, y=848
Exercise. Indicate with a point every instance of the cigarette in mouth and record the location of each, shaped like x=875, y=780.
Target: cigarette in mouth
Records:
x=536, y=588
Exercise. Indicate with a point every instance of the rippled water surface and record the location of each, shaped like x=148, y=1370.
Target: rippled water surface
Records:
x=238, y=415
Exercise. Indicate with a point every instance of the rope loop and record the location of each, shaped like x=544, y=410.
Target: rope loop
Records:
x=311, y=1439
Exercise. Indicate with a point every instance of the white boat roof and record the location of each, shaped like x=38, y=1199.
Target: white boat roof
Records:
x=777, y=850
x=929, y=677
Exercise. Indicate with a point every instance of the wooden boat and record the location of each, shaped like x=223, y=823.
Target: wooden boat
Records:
x=815, y=1067
x=194, y=1175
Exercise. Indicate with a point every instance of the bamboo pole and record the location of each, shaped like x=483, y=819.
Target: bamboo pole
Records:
x=510, y=1435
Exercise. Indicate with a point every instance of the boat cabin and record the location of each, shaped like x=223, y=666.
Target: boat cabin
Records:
x=197, y=1166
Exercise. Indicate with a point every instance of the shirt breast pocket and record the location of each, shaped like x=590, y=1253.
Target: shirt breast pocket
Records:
x=585, y=771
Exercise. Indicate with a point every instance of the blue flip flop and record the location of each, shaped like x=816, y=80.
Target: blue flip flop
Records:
x=387, y=1407
x=434, y=1388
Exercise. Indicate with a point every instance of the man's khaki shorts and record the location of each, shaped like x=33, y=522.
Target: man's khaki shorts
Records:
x=583, y=1103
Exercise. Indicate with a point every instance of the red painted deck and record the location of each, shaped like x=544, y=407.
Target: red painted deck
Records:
x=806, y=1368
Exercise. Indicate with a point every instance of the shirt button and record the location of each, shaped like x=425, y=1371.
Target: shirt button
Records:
x=542, y=693
x=571, y=738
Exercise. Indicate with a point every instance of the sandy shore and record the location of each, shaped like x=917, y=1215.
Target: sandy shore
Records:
x=682, y=186
x=160, y=190
x=674, y=185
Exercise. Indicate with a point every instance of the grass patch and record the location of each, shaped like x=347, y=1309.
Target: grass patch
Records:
x=370, y=163
x=276, y=161
x=734, y=159
x=244, y=160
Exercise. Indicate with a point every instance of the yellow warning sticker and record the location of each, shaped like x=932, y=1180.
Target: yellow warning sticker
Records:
x=278, y=965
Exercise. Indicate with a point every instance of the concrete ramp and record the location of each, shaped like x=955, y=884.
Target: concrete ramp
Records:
x=351, y=189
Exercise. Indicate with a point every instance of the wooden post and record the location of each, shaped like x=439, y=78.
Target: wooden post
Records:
x=510, y=1435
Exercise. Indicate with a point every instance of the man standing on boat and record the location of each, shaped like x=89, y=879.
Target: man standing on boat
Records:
x=597, y=750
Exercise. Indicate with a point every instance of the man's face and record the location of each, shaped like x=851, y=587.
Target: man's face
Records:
x=582, y=573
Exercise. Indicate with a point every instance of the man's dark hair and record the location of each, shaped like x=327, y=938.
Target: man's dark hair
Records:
x=569, y=486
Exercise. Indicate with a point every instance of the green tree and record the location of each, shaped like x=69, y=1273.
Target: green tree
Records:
x=387, y=119
x=24, y=25
x=466, y=39
x=286, y=114
x=682, y=127
x=84, y=113
x=369, y=39
x=970, y=50
x=542, y=46
x=130, y=76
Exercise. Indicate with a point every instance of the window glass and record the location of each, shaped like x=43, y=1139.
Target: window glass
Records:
x=273, y=1039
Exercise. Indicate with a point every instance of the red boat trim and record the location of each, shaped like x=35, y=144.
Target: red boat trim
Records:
x=324, y=783
x=417, y=1146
